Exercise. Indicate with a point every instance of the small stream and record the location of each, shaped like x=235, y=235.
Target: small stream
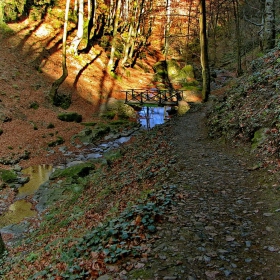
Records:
x=22, y=208
x=38, y=175
x=149, y=117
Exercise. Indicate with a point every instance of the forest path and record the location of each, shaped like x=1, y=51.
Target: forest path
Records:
x=225, y=224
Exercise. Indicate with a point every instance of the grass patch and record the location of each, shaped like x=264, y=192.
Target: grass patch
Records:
x=79, y=170
x=70, y=117
x=5, y=30
x=59, y=141
x=34, y=105
x=8, y=176
x=50, y=125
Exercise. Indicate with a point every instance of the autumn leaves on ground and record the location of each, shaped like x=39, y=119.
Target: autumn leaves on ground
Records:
x=30, y=62
x=69, y=240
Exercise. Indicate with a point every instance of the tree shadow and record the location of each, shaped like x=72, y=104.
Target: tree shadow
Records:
x=84, y=68
x=47, y=52
x=36, y=27
x=104, y=93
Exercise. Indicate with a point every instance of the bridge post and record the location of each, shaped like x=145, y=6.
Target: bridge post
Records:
x=126, y=93
x=132, y=94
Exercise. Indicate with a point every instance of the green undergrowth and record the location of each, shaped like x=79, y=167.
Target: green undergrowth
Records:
x=249, y=110
x=79, y=170
x=111, y=241
x=107, y=208
x=8, y=176
x=106, y=243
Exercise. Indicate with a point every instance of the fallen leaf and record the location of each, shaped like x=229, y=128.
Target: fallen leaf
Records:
x=211, y=274
x=230, y=238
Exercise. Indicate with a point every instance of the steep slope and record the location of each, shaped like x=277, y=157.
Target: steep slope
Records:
x=249, y=110
x=30, y=61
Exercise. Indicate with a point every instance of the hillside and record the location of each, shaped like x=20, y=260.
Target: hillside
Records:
x=248, y=110
x=30, y=62
x=172, y=203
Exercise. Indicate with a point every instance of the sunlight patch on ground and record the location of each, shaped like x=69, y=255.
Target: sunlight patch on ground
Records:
x=192, y=96
x=44, y=30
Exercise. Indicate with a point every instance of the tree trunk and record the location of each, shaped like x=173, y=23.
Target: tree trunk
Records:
x=1, y=12
x=167, y=29
x=269, y=25
x=132, y=32
x=110, y=65
x=204, y=52
x=78, y=38
x=55, y=86
x=91, y=16
x=128, y=44
x=239, y=70
x=2, y=246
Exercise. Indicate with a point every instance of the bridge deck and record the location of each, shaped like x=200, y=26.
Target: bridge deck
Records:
x=153, y=97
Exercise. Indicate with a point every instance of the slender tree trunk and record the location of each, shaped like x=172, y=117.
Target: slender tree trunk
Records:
x=76, y=6
x=128, y=44
x=131, y=35
x=91, y=16
x=204, y=52
x=110, y=65
x=2, y=246
x=1, y=12
x=269, y=25
x=137, y=27
x=80, y=32
x=167, y=29
x=59, y=81
x=189, y=13
x=239, y=70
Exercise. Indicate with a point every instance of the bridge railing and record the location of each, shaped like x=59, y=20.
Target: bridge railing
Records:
x=153, y=96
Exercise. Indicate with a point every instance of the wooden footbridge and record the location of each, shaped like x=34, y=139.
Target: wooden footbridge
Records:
x=156, y=97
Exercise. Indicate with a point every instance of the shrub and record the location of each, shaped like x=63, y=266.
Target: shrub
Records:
x=70, y=117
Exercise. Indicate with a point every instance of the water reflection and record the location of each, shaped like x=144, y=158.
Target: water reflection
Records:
x=38, y=175
x=22, y=209
x=149, y=117
x=18, y=211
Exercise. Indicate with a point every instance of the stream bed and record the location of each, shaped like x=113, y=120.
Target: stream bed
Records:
x=22, y=208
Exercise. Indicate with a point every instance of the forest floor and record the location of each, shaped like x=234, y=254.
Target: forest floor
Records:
x=225, y=222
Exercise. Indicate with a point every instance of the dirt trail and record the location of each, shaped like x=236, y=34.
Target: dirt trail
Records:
x=225, y=223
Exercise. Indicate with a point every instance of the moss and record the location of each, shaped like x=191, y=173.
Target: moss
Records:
x=89, y=135
x=70, y=117
x=50, y=125
x=112, y=155
x=8, y=176
x=5, y=30
x=64, y=101
x=79, y=170
x=109, y=115
x=59, y=140
x=141, y=273
x=259, y=138
x=89, y=123
x=34, y=105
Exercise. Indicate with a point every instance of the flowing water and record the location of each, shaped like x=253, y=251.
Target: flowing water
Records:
x=149, y=117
